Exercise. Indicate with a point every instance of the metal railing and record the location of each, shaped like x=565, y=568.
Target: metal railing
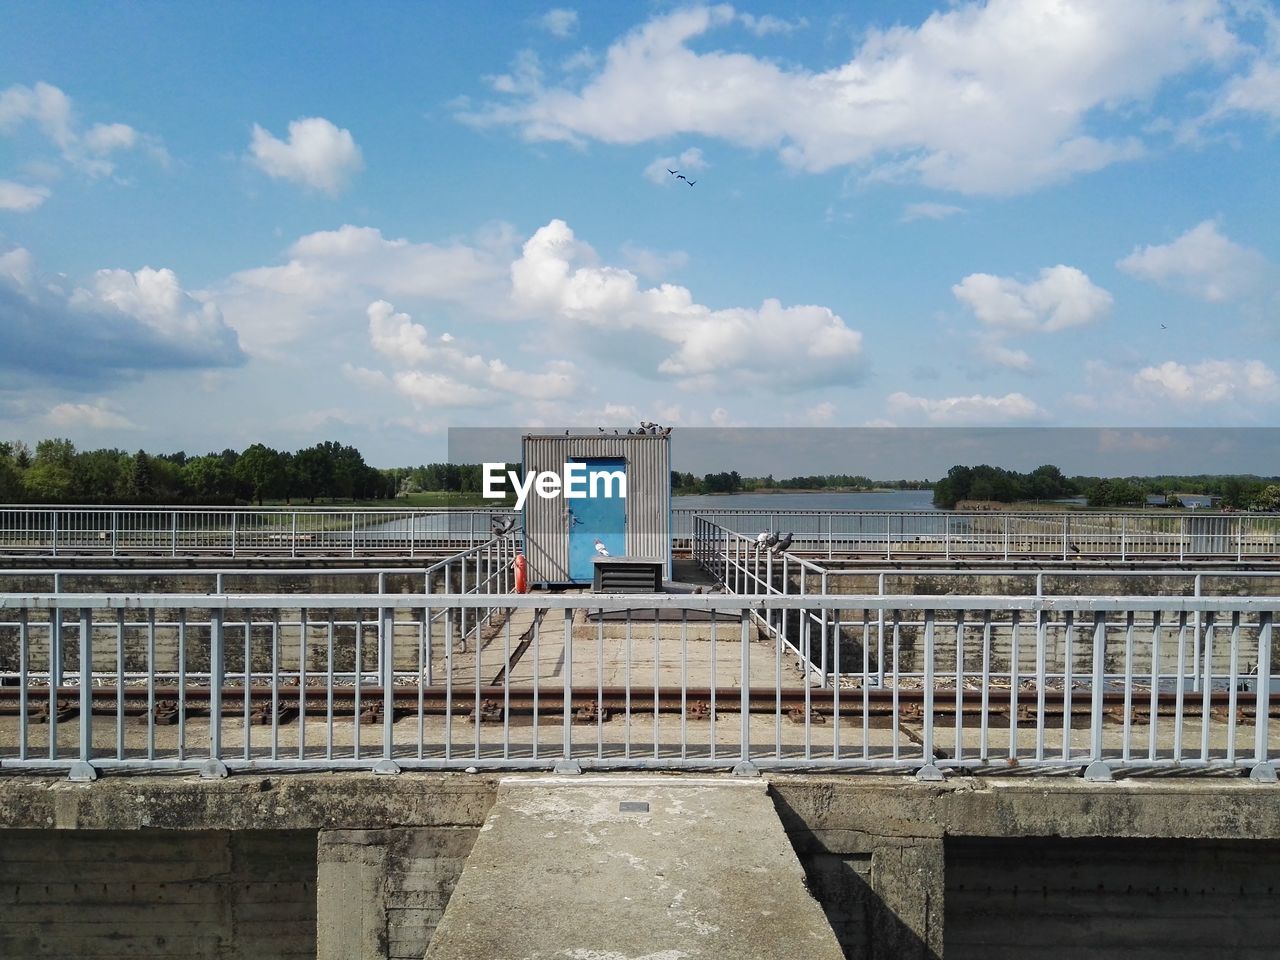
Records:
x=323, y=532
x=239, y=531
x=1001, y=535
x=744, y=566
x=974, y=683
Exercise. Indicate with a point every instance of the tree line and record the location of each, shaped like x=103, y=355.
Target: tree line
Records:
x=985, y=482
x=731, y=482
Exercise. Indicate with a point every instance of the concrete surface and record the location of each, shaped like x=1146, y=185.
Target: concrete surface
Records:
x=632, y=868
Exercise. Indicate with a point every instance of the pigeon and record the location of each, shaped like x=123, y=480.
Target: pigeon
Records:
x=766, y=541
x=783, y=543
x=601, y=549
x=500, y=527
x=1074, y=548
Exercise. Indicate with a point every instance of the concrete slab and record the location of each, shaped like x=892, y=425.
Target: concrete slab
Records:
x=578, y=868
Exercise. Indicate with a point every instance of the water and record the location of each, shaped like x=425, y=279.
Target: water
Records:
x=891, y=500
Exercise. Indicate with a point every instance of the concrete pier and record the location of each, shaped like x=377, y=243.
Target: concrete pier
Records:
x=632, y=867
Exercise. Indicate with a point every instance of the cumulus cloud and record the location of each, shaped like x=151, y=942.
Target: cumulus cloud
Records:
x=1009, y=358
x=1208, y=382
x=768, y=24
x=50, y=110
x=992, y=98
x=653, y=263
x=434, y=373
x=334, y=272
x=1202, y=262
x=689, y=161
x=1062, y=297
x=317, y=154
x=96, y=416
x=782, y=347
x=971, y=410
x=118, y=322
x=21, y=198
x=560, y=22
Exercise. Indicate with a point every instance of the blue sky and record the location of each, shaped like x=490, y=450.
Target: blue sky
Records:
x=296, y=222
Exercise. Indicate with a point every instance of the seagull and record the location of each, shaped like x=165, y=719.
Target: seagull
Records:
x=601, y=550
x=784, y=541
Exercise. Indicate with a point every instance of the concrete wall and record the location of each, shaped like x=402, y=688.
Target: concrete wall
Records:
x=965, y=868
x=1111, y=897
x=356, y=866
x=153, y=894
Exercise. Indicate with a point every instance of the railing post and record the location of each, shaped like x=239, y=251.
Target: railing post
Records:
x=1262, y=708
x=1195, y=643
x=115, y=531
x=927, y=731
x=293, y=534
x=745, y=694
x=55, y=532
x=353, y=534
x=235, y=522
x=1099, y=678
x=946, y=537
x=1239, y=539
x=83, y=769
x=173, y=534
x=823, y=635
x=1124, y=531
x=567, y=695
x=55, y=639
x=1006, y=537
x=1182, y=539
x=214, y=767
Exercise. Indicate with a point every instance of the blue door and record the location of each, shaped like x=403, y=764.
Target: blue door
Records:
x=596, y=523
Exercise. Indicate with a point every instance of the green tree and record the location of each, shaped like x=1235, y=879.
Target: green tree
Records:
x=1269, y=498
x=139, y=479
x=208, y=479
x=261, y=470
x=50, y=476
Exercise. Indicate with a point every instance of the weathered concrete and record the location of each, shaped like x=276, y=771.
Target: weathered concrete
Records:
x=157, y=894
x=901, y=868
x=696, y=869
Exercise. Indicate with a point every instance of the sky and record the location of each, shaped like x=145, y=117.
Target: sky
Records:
x=285, y=223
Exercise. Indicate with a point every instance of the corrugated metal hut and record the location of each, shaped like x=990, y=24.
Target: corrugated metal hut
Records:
x=563, y=535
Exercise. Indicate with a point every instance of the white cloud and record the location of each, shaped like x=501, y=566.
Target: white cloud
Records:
x=432, y=373
x=1001, y=356
x=782, y=347
x=332, y=273
x=975, y=409
x=560, y=22
x=93, y=415
x=995, y=98
x=51, y=110
x=117, y=322
x=21, y=198
x=1202, y=262
x=928, y=211
x=768, y=24
x=317, y=154
x=1062, y=297
x=689, y=161
x=653, y=263
x=820, y=414
x=1208, y=382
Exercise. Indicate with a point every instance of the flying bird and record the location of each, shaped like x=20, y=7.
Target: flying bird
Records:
x=681, y=176
x=691, y=182
x=1164, y=326
x=674, y=173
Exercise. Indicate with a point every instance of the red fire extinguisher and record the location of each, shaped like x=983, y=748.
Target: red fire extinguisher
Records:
x=522, y=574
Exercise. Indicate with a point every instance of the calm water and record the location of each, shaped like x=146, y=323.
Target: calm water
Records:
x=887, y=500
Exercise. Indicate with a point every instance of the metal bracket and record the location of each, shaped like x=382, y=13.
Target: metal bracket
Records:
x=567, y=768
x=1098, y=772
x=82, y=772
x=1264, y=772
x=930, y=773
x=213, y=769
x=386, y=768
x=745, y=768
